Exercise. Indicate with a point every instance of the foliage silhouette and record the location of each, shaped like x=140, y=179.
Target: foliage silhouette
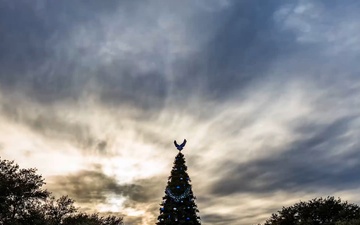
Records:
x=24, y=201
x=325, y=211
x=351, y=222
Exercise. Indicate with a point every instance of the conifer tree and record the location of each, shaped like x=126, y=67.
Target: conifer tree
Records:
x=178, y=206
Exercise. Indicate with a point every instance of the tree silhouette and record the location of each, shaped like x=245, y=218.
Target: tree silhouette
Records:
x=178, y=206
x=24, y=201
x=20, y=192
x=325, y=211
x=350, y=222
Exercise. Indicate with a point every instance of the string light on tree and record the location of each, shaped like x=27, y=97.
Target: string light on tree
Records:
x=178, y=198
x=178, y=206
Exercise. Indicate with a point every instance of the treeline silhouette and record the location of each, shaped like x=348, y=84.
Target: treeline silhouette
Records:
x=24, y=201
x=318, y=211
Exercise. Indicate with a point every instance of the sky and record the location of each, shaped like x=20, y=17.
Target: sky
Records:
x=267, y=93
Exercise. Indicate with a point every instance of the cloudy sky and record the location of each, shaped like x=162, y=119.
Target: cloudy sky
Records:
x=267, y=93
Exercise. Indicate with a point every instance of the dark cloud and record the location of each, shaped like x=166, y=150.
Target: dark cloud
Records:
x=234, y=47
x=89, y=186
x=219, y=219
x=128, y=87
x=241, y=42
x=318, y=161
x=33, y=57
x=244, y=42
x=93, y=186
x=132, y=220
x=51, y=125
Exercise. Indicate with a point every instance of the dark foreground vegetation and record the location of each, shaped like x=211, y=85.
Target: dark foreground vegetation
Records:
x=24, y=201
x=324, y=211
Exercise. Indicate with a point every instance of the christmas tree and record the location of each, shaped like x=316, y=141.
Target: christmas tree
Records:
x=178, y=206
